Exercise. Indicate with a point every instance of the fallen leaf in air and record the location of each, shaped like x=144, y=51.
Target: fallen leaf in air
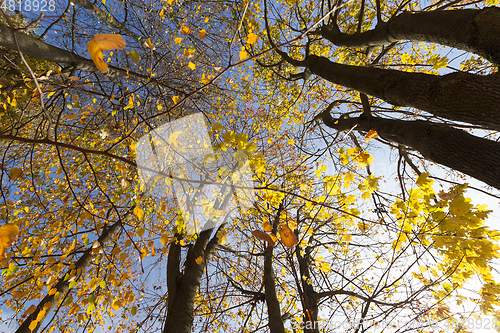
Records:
x=8, y=236
x=202, y=34
x=288, y=238
x=263, y=236
x=101, y=43
x=199, y=260
x=372, y=134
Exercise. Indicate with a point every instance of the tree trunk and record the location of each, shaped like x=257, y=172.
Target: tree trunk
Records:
x=273, y=304
x=472, y=30
x=182, y=288
x=310, y=295
x=457, y=96
x=451, y=147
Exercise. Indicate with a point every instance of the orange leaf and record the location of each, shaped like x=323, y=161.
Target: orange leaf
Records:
x=372, y=134
x=8, y=236
x=101, y=43
x=288, y=238
x=263, y=236
x=185, y=29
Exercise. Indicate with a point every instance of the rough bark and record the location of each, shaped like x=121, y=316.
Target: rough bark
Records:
x=457, y=96
x=472, y=30
x=439, y=143
x=273, y=304
x=49, y=302
x=180, y=315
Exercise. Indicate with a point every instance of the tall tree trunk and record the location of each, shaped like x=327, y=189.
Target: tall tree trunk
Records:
x=273, y=304
x=309, y=294
x=182, y=287
x=472, y=30
x=49, y=302
x=439, y=143
x=457, y=96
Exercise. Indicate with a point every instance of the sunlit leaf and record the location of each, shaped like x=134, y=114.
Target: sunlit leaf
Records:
x=103, y=42
x=288, y=238
x=8, y=236
x=263, y=236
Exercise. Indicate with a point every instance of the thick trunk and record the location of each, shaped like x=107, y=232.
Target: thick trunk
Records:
x=181, y=300
x=457, y=96
x=472, y=30
x=49, y=302
x=273, y=304
x=439, y=143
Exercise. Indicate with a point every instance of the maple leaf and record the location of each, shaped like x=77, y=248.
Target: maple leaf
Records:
x=103, y=42
x=288, y=238
x=8, y=236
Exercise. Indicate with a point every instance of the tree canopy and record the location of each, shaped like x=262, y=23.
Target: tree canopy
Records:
x=100, y=198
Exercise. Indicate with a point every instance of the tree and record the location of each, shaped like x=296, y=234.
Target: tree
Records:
x=459, y=96
x=321, y=244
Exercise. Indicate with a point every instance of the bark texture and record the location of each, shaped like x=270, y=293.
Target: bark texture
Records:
x=273, y=304
x=439, y=143
x=472, y=30
x=457, y=96
x=182, y=287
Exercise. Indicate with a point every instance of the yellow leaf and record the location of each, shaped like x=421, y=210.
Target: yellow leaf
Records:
x=162, y=14
x=191, y=65
x=170, y=2
x=8, y=236
x=178, y=40
x=139, y=212
x=243, y=54
x=288, y=238
x=149, y=44
x=175, y=99
x=135, y=56
x=103, y=42
x=267, y=226
x=159, y=107
x=116, y=305
x=164, y=240
x=185, y=29
x=202, y=34
x=140, y=232
x=187, y=54
x=372, y=134
x=199, y=260
x=33, y=325
x=251, y=38
x=204, y=79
